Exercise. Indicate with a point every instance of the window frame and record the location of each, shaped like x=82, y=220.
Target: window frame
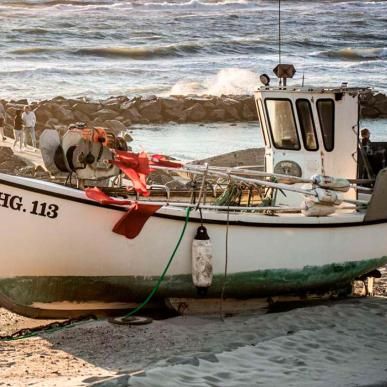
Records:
x=264, y=135
x=333, y=121
x=313, y=124
x=294, y=120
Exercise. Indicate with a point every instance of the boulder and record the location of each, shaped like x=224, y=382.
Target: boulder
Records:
x=5, y=153
x=379, y=97
x=59, y=98
x=209, y=105
x=217, y=115
x=43, y=113
x=86, y=108
x=50, y=123
x=96, y=122
x=174, y=104
x=367, y=99
x=144, y=121
x=114, y=125
x=369, y=112
x=23, y=101
x=112, y=101
x=80, y=116
x=127, y=105
x=105, y=114
x=381, y=106
x=151, y=110
x=9, y=162
x=176, y=115
x=232, y=113
x=196, y=113
x=132, y=114
x=247, y=114
x=63, y=114
x=194, y=100
x=127, y=122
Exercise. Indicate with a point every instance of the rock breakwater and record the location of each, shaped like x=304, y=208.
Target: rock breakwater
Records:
x=119, y=113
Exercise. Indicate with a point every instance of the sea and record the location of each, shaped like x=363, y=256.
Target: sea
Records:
x=100, y=48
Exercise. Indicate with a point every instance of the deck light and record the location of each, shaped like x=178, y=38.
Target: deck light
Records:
x=265, y=79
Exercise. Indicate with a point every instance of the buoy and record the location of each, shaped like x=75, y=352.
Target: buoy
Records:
x=202, y=272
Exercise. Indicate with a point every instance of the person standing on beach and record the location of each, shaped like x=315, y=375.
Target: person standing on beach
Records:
x=29, y=120
x=18, y=130
x=2, y=121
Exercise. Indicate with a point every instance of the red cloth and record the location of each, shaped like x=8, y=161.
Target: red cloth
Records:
x=99, y=196
x=131, y=224
x=138, y=179
x=164, y=162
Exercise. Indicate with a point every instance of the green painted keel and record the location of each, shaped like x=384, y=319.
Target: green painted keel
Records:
x=20, y=293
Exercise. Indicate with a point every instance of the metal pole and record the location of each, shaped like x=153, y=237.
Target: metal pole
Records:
x=279, y=31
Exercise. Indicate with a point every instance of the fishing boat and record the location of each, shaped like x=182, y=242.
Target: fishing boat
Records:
x=309, y=221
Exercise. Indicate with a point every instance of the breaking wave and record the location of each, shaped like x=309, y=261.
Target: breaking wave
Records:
x=356, y=53
x=227, y=81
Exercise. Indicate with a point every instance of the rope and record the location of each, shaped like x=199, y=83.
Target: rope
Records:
x=156, y=288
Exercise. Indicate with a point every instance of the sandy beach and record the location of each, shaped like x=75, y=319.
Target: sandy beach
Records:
x=342, y=343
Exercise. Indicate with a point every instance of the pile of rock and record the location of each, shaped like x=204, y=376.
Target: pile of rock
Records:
x=374, y=105
x=15, y=165
x=118, y=113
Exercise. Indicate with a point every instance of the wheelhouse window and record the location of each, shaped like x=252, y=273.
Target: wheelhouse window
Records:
x=282, y=124
x=326, y=116
x=308, y=130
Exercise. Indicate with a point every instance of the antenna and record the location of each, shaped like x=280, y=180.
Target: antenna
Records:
x=279, y=31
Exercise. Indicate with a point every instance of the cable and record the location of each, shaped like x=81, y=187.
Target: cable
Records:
x=225, y=266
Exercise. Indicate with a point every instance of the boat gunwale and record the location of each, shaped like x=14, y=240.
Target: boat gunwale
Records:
x=31, y=186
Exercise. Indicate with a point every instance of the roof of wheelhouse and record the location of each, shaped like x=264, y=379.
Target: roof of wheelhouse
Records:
x=313, y=89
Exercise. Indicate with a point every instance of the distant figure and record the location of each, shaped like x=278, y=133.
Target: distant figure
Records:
x=29, y=120
x=365, y=135
x=18, y=130
x=2, y=122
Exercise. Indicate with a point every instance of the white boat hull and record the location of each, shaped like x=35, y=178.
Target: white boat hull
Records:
x=71, y=256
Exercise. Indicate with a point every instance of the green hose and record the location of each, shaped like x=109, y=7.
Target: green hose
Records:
x=156, y=288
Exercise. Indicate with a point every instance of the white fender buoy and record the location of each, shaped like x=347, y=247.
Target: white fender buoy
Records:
x=202, y=272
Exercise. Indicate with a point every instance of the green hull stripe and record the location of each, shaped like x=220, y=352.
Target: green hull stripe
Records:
x=260, y=283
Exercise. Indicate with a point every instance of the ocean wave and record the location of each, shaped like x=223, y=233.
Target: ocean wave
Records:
x=203, y=46
x=54, y=3
x=146, y=52
x=34, y=50
x=356, y=53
